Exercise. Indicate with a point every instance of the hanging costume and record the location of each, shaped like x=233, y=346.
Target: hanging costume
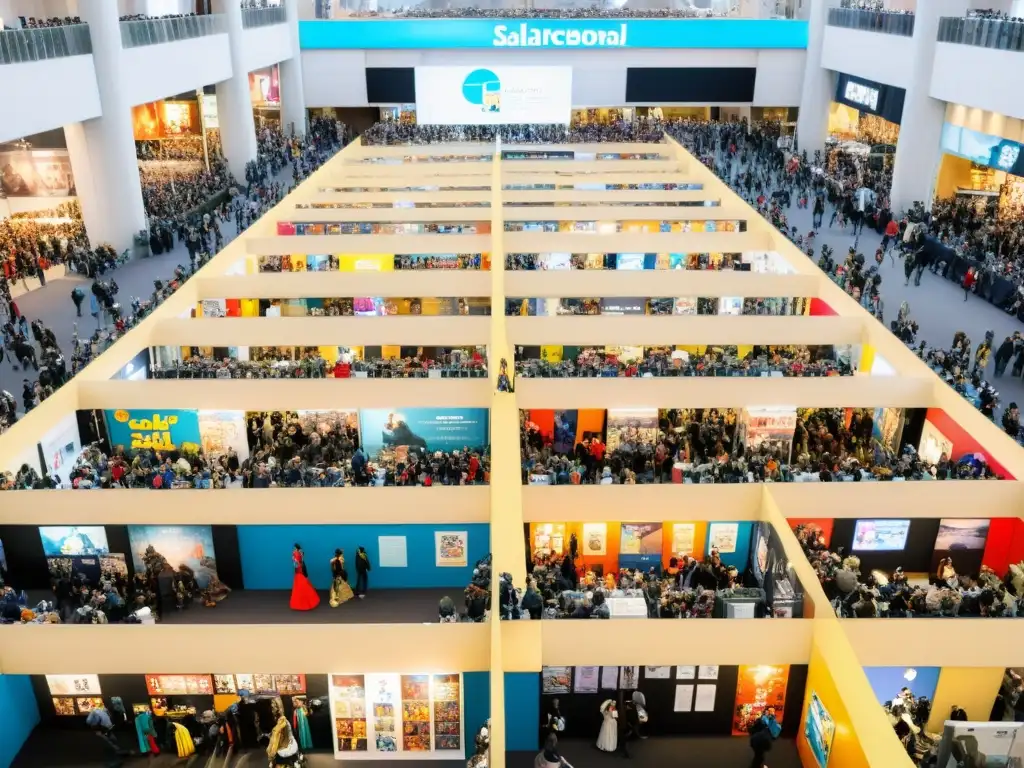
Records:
x=183, y=740
x=300, y=726
x=304, y=596
x=146, y=732
x=341, y=592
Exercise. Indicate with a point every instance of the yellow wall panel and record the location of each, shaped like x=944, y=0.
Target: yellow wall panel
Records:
x=973, y=689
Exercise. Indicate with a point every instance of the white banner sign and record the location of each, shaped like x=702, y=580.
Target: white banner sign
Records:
x=493, y=95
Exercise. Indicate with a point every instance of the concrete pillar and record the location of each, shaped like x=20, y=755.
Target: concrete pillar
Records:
x=293, y=97
x=102, y=150
x=918, y=150
x=234, y=106
x=812, y=122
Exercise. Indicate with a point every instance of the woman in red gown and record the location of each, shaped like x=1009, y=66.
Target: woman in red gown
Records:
x=304, y=596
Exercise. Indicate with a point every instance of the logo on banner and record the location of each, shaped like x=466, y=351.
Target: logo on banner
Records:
x=483, y=88
x=862, y=94
x=1008, y=156
x=527, y=36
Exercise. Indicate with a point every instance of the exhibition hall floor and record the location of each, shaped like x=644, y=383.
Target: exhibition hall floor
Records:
x=382, y=606
x=665, y=752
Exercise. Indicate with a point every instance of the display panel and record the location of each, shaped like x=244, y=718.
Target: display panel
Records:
x=819, y=730
x=983, y=149
x=179, y=685
x=73, y=541
x=758, y=690
x=165, y=430
x=410, y=717
x=424, y=429
x=191, y=545
x=880, y=535
x=73, y=685
x=493, y=96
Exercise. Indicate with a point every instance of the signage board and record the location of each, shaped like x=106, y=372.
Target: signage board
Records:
x=493, y=95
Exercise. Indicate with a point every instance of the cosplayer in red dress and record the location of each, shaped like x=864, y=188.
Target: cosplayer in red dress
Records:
x=304, y=596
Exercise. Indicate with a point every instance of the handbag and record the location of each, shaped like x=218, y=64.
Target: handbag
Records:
x=641, y=714
x=558, y=724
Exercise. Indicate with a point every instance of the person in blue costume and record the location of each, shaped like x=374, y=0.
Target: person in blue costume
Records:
x=300, y=723
x=146, y=732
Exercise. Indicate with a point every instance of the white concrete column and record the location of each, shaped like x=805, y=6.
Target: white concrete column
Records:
x=812, y=122
x=918, y=150
x=234, y=106
x=293, y=98
x=102, y=150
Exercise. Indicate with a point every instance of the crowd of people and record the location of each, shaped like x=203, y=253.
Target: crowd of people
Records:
x=31, y=22
x=705, y=446
x=714, y=361
x=270, y=363
x=879, y=594
x=31, y=243
x=592, y=12
x=391, y=133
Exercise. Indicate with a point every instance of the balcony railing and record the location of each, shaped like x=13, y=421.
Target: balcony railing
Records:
x=171, y=30
x=1001, y=34
x=263, y=17
x=872, y=21
x=501, y=9
x=22, y=45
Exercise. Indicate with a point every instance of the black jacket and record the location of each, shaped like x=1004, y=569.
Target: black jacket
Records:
x=362, y=562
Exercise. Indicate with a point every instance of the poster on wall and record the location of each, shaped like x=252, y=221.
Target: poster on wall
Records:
x=564, y=437
x=934, y=445
x=179, y=685
x=447, y=712
x=609, y=678
x=348, y=711
x=165, y=120
x=962, y=534
x=657, y=673
x=451, y=549
x=392, y=552
x=385, y=694
x=887, y=425
x=423, y=430
x=549, y=537
x=221, y=431
x=595, y=539
x=62, y=446
x=633, y=425
x=163, y=430
x=723, y=536
x=640, y=539
x=586, y=680
x=684, y=698
x=707, y=672
x=556, y=680
x=73, y=685
x=191, y=545
x=819, y=730
x=880, y=535
x=37, y=173
x=64, y=706
x=74, y=541
x=493, y=95
x=629, y=678
x=759, y=688
x=704, y=699
x=686, y=673
x=683, y=538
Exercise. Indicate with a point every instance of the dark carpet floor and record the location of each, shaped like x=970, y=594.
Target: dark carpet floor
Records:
x=690, y=752
x=382, y=606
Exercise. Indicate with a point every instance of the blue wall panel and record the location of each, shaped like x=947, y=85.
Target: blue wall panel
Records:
x=267, y=559
x=476, y=689
x=886, y=682
x=741, y=556
x=522, y=711
x=18, y=712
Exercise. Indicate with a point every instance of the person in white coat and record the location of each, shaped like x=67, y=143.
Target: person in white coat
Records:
x=608, y=738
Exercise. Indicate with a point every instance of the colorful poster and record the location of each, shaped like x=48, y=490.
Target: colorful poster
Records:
x=819, y=730
x=586, y=679
x=416, y=713
x=451, y=548
x=348, y=710
x=447, y=712
x=221, y=431
x=165, y=119
x=595, y=539
x=224, y=684
x=36, y=173
x=549, y=537
x=74, y=541
x=933, y=445
x=87, y=705
x=73, y=685
x=162, y=430
x=759, y=689
x=556, y=680
x=631, y=425
x=424, y=429
x=640, y=539
x=722, y=536
x=385, y=694
x=682, y=538
x=191, y=545
x=64, y=706
x=179, y=685
x=565, y=431
x=962, y=534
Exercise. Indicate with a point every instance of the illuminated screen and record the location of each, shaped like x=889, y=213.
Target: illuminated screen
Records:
x=70, y=540
x=880, y=535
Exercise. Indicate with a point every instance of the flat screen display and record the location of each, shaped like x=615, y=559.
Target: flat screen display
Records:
x=493, y=95
x=70, y=540
x=880, y=535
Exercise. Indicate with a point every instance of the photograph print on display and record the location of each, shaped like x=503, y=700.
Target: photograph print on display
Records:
x=629, y=678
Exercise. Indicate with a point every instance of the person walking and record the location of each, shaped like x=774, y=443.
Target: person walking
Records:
x=819, y=212
x=969, y=280
x=78, y=296
x=363, y=569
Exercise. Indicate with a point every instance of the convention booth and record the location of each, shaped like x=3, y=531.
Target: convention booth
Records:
x=863, y=110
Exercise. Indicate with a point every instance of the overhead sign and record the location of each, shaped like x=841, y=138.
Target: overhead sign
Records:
x=493, y=95
x=984, y=149
x=369, y=34
x=886, y=101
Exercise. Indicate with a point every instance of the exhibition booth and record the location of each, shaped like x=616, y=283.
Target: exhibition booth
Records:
x=639, y=305
x=983, y=170
x=865, y=111
x=346, y=306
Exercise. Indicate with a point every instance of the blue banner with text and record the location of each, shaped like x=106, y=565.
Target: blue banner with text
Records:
x=571, y=34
